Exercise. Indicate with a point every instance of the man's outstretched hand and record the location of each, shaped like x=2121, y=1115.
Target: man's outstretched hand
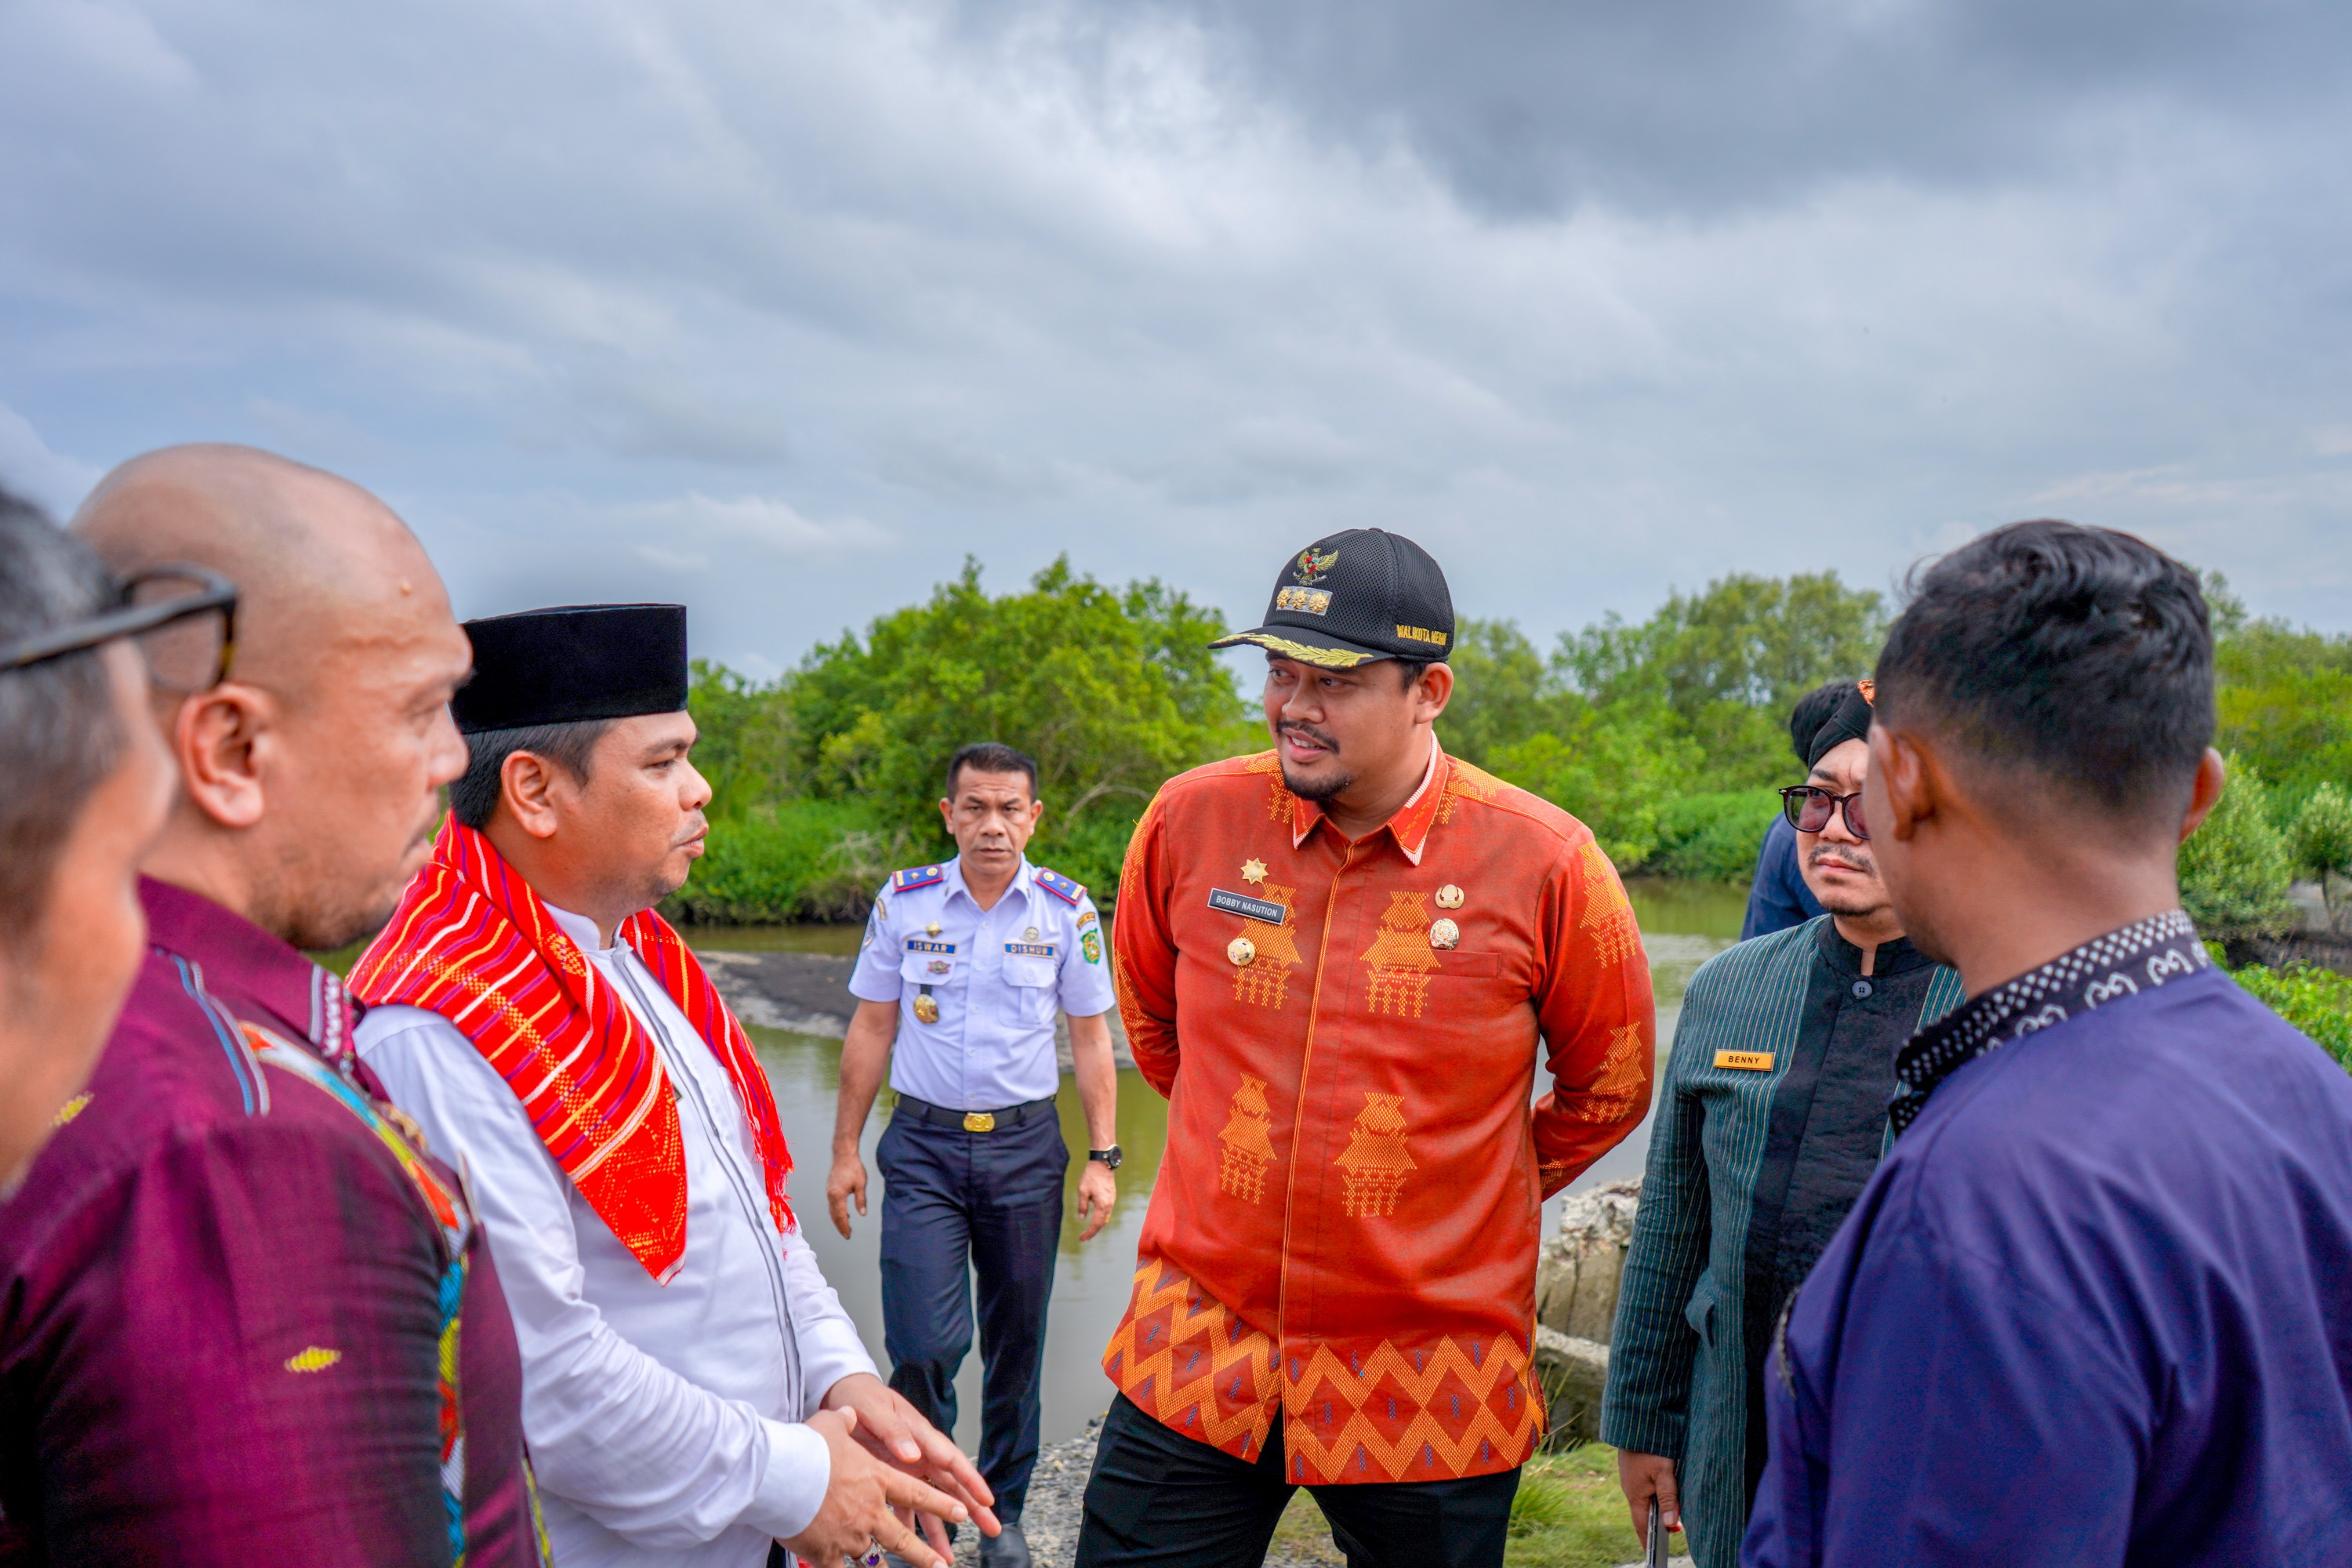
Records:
x=896, y=1433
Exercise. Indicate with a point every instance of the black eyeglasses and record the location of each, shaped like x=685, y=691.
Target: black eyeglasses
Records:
x=184, y=619
x=1808, y=808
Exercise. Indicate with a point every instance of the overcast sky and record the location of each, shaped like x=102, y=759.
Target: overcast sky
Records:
x=780, y=308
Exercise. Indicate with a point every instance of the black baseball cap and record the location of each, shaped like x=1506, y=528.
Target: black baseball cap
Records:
x=1350, y=598
x=571, y=663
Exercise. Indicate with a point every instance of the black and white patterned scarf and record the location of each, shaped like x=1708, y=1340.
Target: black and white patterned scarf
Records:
x=2138, y=957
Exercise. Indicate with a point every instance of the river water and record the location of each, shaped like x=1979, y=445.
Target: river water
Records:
x=1682, y=925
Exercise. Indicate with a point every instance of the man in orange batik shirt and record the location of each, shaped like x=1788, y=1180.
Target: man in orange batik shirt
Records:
x=1335, y=959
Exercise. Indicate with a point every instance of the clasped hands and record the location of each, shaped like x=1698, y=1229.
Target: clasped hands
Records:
x=890, y=1467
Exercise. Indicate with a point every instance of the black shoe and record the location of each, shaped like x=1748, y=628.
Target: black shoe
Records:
x=1010, y=1550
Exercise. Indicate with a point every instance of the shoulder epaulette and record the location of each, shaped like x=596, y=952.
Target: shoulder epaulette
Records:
x=1061, y=887
x=914, y=876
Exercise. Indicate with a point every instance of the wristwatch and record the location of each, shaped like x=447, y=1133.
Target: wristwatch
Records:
x=1112, y=1157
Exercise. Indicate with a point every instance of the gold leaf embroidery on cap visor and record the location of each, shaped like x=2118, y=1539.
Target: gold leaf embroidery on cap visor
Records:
x=1321, y=658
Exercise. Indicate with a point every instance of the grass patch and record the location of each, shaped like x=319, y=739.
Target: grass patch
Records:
x=1568, y=1514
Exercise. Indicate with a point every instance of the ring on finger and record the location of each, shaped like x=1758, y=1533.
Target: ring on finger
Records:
x=873, y=1557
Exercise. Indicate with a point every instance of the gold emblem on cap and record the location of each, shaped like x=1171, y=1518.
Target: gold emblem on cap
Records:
x=1449, y=897
x=1031, y=935
x=1242, y=950
x=927, y=1010
x=933, y=929
x=1253, y=869
x=1444, y=934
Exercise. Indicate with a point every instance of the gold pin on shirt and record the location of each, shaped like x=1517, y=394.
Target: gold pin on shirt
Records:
x=927, y=1011
x=1444, y=934
x=1253, y=869
x=1242, y=950
x=1449, y=897
x=1032, y=936
x=933, y=929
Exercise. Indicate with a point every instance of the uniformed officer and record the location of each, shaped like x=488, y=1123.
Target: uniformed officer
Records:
x=965, y=965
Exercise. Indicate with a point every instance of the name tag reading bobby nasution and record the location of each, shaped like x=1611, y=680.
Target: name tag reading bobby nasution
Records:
x=1249, y=909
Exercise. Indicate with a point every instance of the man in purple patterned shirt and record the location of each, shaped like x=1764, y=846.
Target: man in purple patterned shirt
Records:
x=230, y=1283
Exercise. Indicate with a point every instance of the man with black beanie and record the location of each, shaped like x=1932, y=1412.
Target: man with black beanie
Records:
x=1771, y=1116
x=1778, y=897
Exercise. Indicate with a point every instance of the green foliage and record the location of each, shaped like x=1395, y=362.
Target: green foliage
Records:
x=2316, y=1001
x=1612, y=771
x=1730, y=662
x=1713, y=837
x=742, y=740
x=2234, y=869
x=2283, y=701
x=1503, y=695
x=1112, y=690
x=794, y=859
x=2321, y=840
x=1659, y=735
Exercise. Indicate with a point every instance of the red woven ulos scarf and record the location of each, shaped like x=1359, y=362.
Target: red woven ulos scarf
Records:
x=474, y=943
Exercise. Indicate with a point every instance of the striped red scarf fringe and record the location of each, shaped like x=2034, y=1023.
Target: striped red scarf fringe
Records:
x=474, y=943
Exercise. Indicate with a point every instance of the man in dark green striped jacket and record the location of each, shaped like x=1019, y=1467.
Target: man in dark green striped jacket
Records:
x=1770, y=1116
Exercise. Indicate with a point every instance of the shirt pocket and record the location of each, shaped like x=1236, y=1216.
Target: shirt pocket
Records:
x=1029, y=989
x=933, y=969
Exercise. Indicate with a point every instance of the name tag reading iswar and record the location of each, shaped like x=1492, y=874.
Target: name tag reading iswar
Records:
x=1249, y=909
x=1745, y=1061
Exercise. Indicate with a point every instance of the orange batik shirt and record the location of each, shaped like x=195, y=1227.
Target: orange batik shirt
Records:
x=1345, y=1224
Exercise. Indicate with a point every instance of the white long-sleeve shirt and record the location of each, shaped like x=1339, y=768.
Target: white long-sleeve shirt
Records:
x=664, y=1421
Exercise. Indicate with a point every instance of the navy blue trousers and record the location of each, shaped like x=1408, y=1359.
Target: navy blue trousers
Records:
x=956, y=1205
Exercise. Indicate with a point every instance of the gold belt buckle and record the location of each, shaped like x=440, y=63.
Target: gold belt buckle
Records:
x=979, y=1122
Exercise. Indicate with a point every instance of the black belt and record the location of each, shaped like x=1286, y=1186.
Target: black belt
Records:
x=972, y=1120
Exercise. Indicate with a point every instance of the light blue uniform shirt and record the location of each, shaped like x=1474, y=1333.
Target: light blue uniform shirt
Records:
x=999, y=976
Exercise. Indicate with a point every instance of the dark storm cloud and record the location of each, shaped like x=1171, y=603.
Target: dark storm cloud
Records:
x=1695, y=105
x=784, y=307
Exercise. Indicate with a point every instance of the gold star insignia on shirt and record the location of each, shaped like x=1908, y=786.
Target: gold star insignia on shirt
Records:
x=1253, y=871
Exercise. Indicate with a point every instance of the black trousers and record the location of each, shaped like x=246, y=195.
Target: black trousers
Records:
x=958, y=1207
x=1161, y=1499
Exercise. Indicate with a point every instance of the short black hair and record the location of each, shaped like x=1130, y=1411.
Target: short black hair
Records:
x=475, y=796
x=1812, y=710
x=59, y=735
x=991, y=757
x=2082, y=654
x=1409, y=670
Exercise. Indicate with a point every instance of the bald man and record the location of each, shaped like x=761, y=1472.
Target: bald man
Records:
x=243, y=1317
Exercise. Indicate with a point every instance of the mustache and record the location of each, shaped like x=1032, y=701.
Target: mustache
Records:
x=1300, y=727
x=1838, y=854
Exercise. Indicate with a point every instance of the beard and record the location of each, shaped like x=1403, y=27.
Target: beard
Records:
x=1319, y=789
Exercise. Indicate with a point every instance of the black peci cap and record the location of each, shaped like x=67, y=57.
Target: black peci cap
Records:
x=572, y=663
x=1350, y=598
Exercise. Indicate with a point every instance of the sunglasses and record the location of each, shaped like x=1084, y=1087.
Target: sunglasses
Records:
x=184, y=619
x=1808, y=809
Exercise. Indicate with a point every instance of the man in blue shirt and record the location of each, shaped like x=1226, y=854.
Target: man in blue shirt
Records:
x=965, y=966
x=2096, y=1307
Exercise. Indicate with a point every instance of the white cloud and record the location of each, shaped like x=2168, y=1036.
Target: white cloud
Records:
x=28, y=464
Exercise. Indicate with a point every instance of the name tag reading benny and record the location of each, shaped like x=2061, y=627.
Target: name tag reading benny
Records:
x=1745, y=1061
